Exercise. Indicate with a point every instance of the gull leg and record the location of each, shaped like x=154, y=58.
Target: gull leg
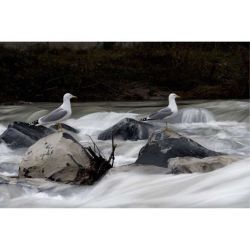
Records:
x=167, y=129
x=60, y=127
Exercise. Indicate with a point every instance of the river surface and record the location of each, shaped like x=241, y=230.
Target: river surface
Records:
x=223, y=126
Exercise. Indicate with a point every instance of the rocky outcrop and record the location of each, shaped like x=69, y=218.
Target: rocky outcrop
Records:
x=59, y=157
x=22, y=135
x=166, y=144
x=128, y=129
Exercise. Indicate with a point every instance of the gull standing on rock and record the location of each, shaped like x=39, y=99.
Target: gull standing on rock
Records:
x=60, y=114
x=167, y=112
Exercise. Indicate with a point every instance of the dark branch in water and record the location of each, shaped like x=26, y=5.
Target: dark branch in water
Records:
x=112, y=155
x=96, y=149
x=100, y=157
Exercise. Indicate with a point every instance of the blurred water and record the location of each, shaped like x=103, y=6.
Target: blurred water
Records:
x=218, y=125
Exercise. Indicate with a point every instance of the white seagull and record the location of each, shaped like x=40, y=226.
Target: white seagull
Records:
x=167, y=112
x=60, y=114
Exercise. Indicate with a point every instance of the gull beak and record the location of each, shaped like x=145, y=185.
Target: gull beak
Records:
x=74, y=97
x=177, y=96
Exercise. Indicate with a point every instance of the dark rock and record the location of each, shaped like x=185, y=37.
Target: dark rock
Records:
x=59, y=157
x=166, y=144
x=128, y=129
x=21, y=135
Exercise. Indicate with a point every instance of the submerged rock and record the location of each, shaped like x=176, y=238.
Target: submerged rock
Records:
x=128, y=129
x=4, y=179
x=166, y=144
x=180, y=165
x=21, y=135
x=59, y=157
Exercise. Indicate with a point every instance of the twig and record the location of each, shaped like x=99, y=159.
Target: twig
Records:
x=96, y=147
x=112, y=155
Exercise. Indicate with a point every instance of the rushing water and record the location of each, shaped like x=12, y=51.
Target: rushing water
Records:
x=218, y=125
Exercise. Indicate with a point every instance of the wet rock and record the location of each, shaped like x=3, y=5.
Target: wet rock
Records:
x=4, y=179
x=59, y=157
x=12, y=188
x=128, y=129
x=166, y=144
x=180, y=165
x=21, y=135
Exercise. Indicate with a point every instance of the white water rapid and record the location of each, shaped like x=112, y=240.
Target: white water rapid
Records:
x=218, y=125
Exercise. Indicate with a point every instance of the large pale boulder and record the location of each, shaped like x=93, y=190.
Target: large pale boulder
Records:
x=59, y=157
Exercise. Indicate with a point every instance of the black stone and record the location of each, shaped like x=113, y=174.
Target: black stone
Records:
x=128, y=129
x=22, y=135
x=165, y=144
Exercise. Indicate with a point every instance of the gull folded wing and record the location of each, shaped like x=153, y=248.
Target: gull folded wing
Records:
x=55, y=115
x=161, y=114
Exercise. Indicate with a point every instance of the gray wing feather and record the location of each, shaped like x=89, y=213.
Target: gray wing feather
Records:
x=54, y=115
x=163, y=113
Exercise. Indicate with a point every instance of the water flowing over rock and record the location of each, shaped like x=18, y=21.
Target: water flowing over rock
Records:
x=192, y=115
x=166, y=144
x=128, y=129
x=59, y=157
x=22, y=135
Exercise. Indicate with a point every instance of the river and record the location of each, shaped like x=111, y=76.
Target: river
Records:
x=224, y=126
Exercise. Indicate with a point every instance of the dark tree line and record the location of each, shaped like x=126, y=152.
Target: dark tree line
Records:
x=123, y=71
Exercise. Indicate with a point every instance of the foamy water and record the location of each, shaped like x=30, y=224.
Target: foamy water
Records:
x=126, y=186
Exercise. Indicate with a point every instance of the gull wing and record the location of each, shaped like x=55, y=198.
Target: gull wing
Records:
x=53, y=116
x=161, y=114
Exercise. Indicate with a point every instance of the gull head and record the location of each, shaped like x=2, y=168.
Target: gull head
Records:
x=172, y=96
x=68, y=96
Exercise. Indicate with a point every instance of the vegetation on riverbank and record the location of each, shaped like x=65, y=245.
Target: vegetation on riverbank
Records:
x=120, y=71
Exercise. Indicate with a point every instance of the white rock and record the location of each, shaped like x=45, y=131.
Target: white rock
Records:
x=58, y=157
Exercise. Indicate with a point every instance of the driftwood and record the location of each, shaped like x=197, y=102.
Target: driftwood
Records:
x=98, y=152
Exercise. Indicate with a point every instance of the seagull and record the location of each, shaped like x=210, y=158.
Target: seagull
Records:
x=167, y=112
x=60, y=114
